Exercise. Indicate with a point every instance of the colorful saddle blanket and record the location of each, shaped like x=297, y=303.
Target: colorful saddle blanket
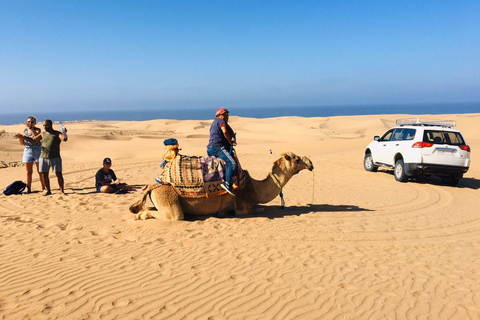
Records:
x=199, y=177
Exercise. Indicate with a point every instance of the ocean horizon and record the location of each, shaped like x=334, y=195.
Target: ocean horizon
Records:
x=250, y=112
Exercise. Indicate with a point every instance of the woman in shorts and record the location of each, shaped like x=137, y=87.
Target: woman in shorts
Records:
x=32, y=151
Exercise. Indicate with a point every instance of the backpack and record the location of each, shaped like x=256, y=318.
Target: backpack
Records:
x=15, y=188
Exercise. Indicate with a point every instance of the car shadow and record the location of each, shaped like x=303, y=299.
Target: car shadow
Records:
x=272, y=212
x=469, y=183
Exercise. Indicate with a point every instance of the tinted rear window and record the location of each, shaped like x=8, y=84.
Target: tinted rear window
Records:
x=443, y=137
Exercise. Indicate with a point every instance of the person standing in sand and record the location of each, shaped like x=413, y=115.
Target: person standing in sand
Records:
x=222, y=139
x=106, y=181
x=31, y=153
x=50, y=155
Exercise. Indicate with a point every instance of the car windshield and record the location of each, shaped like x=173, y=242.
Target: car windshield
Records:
x=443, y=137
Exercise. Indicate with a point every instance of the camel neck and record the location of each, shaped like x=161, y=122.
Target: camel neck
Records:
x=269, y=188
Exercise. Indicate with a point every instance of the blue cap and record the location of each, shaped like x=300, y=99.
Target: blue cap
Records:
x=170, y=142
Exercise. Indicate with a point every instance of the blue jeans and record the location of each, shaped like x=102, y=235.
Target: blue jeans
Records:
x=222, y=153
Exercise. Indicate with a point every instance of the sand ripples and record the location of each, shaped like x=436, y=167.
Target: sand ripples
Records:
x=310, y=266
x=367, y=248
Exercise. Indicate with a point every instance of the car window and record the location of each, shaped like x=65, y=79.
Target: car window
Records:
x=387, y=136
x=400, y=134
x=409, y=134
x=397, y=135
x=443, y=137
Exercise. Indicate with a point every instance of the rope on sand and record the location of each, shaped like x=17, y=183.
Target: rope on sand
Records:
x=313, y=186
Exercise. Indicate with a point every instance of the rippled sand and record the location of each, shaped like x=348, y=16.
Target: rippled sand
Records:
x=349, y=245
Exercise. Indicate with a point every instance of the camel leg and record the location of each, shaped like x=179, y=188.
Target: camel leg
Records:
x=148, y=213
x=167, y=203
x=138, y=206
x=244, y=207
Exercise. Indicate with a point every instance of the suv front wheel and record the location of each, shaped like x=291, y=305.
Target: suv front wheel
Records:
x=399, y=171
x=368, y=163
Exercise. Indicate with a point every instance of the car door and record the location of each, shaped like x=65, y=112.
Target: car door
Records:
x=394, y=146
x=383, y=148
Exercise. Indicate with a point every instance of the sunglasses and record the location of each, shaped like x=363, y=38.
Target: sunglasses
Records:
x=31, y=122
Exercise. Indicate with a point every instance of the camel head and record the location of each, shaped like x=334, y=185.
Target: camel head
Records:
x=292, y=164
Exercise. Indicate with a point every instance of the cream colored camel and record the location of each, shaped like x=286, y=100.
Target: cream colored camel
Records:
x=169, y=206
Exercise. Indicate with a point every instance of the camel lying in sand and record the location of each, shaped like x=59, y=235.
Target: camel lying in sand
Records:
x=169, y=206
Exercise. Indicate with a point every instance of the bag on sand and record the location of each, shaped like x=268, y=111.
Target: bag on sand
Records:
x=15, y=188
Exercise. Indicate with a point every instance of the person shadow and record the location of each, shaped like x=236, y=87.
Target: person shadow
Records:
x=93, y=190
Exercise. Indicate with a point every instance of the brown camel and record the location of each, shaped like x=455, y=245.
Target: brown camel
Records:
x=169, y=206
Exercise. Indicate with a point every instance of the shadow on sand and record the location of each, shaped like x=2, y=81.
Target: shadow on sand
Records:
x=272, y=212
x=469, y=183
x=93, y=190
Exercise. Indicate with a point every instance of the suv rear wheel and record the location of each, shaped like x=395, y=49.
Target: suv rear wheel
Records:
x=399, y=171
x=368, y=163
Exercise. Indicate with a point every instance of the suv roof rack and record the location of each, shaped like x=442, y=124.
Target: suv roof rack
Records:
x=425, y=122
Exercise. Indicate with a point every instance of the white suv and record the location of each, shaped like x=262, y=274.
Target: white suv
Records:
x=420, y=147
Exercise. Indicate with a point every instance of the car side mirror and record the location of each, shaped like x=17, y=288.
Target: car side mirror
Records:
x=376, y=138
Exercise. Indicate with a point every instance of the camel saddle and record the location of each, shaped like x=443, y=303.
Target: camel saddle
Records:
x=199, y=177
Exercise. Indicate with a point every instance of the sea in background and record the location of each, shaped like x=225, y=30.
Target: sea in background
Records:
x=258, y=112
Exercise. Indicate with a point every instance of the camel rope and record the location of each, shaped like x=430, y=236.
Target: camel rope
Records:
x=281, y=191
x=313, y=185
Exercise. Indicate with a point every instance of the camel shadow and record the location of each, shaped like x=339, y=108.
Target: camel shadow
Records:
x=272, y=212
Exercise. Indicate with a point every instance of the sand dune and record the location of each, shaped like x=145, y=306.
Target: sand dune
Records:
x=350, y=244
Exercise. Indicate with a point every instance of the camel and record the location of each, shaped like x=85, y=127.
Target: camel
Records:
x=170, y=206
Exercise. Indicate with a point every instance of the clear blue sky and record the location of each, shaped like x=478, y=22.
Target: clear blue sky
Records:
x=155, y=54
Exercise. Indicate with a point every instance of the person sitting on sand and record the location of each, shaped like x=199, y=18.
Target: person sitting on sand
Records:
x=50, y=155
x=31, y=153
x=106, y=181
x=222, y=139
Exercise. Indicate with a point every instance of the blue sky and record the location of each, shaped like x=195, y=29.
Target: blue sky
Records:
x=160, y=54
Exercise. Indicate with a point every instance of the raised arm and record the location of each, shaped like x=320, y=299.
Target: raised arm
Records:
x=62, y=137
x=19, y=137
x=22, y=138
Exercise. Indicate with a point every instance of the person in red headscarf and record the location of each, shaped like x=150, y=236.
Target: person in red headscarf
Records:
x=222, y=139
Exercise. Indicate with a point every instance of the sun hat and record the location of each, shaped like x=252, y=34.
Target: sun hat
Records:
x=107, y=161
x=221, y=111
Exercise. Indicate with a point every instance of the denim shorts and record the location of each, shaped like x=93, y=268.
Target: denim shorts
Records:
x=99, y=187
x=44, y=164
x=31, y=154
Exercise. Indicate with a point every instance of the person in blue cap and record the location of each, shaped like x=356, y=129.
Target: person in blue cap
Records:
x=222, y=138
x=107, y=182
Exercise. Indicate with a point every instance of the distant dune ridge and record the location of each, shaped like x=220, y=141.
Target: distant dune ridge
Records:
x=350, y=244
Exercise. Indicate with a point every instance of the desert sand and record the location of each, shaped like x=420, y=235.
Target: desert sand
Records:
x=350, y=244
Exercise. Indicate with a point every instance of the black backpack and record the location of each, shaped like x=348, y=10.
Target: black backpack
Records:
x=15, y=188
